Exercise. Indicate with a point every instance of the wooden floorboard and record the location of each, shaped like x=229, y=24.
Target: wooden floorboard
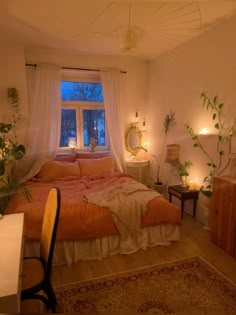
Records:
x=194, y=241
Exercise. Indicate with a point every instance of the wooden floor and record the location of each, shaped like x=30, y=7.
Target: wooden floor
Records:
x=194, y=241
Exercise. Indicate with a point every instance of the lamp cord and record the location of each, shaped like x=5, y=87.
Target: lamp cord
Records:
x=129, y=15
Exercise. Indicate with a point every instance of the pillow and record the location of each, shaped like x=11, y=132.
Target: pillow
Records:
x=92, y=155
x=66, y=157
x=92, y=167
x=55, y=169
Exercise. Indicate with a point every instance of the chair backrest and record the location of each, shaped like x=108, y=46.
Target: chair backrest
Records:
x=49, y=228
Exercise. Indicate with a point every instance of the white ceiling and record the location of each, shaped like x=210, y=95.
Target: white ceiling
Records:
x=92, y=26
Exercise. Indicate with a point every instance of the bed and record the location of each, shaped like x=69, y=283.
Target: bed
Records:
x=103, y=212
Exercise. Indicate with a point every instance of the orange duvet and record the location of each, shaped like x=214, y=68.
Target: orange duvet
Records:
x=79, y=219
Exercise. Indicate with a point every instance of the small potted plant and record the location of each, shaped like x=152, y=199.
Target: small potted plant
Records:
x=182, y=169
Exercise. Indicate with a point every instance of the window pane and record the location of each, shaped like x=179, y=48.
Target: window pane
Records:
x=81, y=91
x=68, y=126
x=94, y=126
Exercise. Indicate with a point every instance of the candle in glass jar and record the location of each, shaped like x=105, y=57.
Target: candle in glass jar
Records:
x=191, y=185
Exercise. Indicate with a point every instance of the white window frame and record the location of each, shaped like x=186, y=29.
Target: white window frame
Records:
x=79, y=106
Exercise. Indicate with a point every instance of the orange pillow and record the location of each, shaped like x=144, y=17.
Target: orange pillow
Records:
x=66, y=157
x=92, y=155
x=92, y=167
x=55, y=169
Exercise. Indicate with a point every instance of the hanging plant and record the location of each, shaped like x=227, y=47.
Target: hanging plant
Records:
x=10, y=151
x=14, y=98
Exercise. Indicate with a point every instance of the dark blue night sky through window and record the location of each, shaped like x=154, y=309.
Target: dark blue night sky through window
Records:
x=93, y=119
x=81, y=91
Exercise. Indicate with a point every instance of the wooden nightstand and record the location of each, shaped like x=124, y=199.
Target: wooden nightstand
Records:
x=183, y=193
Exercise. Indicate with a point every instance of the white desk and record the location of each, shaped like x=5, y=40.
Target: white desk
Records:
x=11, y=251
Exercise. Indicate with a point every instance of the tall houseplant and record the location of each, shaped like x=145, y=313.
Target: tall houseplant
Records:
x=223, y=148
x=168, y=123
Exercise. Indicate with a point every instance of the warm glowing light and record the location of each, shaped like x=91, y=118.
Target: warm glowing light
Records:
x=131, y=158
x=203, y=131
x=72, y=143
x=191, y=185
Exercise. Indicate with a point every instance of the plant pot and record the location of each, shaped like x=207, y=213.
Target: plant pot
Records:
x=160, y=187
x=184, y=180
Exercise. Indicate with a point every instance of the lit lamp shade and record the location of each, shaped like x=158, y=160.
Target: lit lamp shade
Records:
x=72, y=143
x=172, y=153
x=129, y=37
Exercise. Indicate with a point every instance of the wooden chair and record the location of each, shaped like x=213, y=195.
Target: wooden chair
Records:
x=37, y=270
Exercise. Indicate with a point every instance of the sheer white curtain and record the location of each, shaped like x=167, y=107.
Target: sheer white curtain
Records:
x=45, y=115
x=111, y=85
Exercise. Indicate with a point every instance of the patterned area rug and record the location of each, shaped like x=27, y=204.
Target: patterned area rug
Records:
x=189, y=286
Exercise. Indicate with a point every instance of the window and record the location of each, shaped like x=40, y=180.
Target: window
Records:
x=83, y=114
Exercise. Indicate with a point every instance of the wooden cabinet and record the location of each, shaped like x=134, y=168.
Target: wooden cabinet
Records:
x=223, y=214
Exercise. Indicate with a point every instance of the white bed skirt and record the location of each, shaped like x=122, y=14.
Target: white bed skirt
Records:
x=69, y=252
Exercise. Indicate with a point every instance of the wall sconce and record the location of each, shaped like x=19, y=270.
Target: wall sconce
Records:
x=144, y=126
x=172, y=153
x=72, y=143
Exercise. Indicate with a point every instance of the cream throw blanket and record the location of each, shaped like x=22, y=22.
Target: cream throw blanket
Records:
x=127, y=202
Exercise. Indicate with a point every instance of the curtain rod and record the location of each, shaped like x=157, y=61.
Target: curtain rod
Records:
x=69, y=68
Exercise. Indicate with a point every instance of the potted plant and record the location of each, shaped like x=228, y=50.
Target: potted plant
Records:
x=10, y=151
x=168, y=123
x=223, y=145
x=182, y=170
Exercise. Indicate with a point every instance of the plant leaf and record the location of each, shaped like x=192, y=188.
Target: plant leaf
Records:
x=221, y=105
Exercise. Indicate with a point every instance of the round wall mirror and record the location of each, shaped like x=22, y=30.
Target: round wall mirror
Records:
x=133, y=139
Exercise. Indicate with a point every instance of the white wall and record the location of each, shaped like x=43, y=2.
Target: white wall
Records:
x=13, y=74
x=207, y=63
